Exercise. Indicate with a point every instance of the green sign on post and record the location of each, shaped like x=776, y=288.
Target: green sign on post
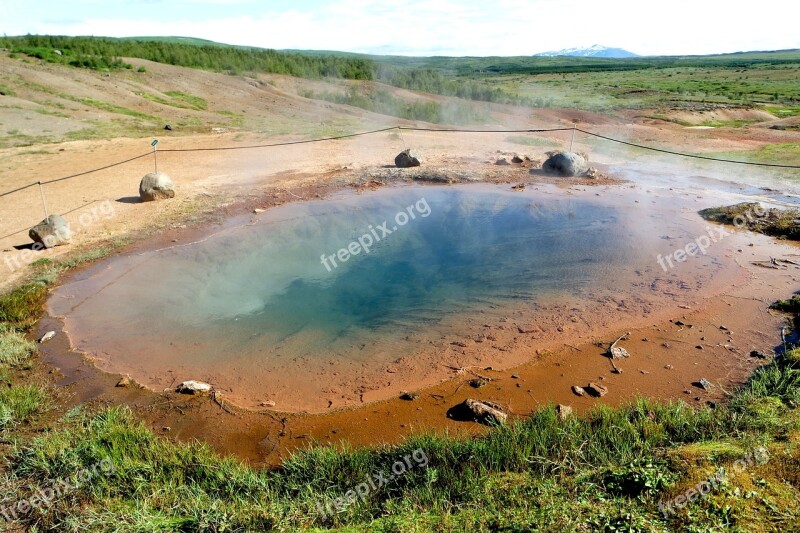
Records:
x=155, y=157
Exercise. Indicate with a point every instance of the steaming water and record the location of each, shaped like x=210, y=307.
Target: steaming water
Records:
x=258, y=296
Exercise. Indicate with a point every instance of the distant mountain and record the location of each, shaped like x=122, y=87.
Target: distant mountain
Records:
x=593, y=51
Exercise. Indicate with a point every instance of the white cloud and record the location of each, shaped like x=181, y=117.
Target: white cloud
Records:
x=452, y=27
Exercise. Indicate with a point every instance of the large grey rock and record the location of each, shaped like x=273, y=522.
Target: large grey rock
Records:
x=156, y=186
x=565, y=164
x=52, y=231
x=406, y=159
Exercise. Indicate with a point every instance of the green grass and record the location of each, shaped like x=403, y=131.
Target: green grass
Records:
x=531, y=140
x=777, y=153
x=15, y=350
x=606, y=470
x=7, y=91
x=21, y=306
x=19, y=405
x=177, y=99
x=113, y=108
x=782, y=111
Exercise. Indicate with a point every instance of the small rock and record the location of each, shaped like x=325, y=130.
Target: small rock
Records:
x=699, y=347
x=258, y=211
x=409, y=396
x=406, y=159
x=514, y=376
x=502, y=162
x=126, y=381
x=597, y=390
x=47, y=336
x=168, y=127
x=578, y=390
x=193, y=387
x=563, y=411
x=705, y=384
x=516, y=160
x=723, y=328
x=267, y=403
x=666, y=345
x=592, y=173
x=478, y=383
x=166, y=429
x=758, y=355
x=460, y=344
x=485, y=412
x=669, y=367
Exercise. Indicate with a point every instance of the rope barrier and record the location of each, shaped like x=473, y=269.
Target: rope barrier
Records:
x=694, y=156
x=405, y=128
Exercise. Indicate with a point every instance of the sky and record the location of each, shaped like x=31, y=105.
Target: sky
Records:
x=430, y=27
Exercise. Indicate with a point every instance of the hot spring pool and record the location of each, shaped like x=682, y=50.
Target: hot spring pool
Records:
x=317, y=303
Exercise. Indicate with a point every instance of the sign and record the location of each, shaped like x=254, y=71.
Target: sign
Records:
x=154, y=143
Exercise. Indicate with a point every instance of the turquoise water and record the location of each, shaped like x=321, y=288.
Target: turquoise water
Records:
x=256, y=297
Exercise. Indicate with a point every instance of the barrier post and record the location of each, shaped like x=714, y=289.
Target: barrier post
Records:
x=155, y=154
x=44, y=203
x=574, y=126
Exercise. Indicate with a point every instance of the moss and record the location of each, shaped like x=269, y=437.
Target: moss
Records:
x=22, y=305
x=784, y=223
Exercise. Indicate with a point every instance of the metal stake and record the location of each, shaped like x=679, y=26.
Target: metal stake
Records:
x=44, y=203
x=574, y=126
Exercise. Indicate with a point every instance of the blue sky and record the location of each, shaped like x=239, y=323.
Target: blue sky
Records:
x=430, y=27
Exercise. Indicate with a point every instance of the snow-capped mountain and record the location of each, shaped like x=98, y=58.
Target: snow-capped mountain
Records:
x=593, y=51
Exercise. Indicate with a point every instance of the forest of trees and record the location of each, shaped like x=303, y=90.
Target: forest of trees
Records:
x=104, y=53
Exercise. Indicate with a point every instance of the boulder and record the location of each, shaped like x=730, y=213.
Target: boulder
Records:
x=193, y=387
x=406, y=159
x=156, y=186
x=565, y=164
x=52, y=231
